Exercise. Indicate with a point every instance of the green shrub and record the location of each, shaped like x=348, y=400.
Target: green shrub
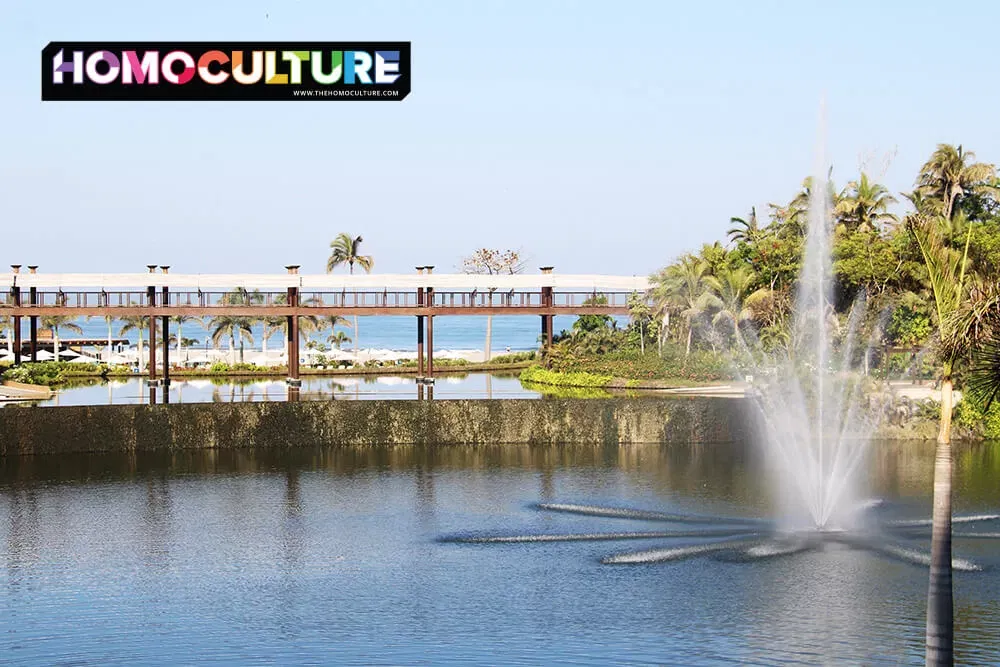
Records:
x=48, y=373
x=970, y=415
x=539, y=375
x=513, y=358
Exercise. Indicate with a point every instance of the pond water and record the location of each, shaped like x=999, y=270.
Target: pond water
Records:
x=222, y=390
x=333, y=556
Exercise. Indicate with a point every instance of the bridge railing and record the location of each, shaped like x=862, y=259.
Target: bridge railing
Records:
x=328, y=299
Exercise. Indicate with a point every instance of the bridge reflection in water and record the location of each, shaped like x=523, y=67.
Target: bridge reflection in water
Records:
x=159, y=295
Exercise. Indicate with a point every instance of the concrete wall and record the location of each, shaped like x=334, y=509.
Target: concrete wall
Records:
x=358, y=423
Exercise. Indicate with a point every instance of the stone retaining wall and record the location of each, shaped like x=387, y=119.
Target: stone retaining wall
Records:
x=115, y=428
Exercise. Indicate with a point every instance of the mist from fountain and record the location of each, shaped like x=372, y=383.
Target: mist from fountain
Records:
x=816, y=428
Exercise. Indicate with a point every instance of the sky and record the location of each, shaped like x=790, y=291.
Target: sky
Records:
x=596, y=137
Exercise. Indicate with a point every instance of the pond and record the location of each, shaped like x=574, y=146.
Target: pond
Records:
x=343, y=387
x=333, y=556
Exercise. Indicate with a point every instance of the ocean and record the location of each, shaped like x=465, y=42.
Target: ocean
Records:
x=397, y=332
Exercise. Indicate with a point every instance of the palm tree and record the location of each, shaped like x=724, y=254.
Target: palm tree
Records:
x=344, y=250
x=53, y=322
x=950, y=174
x=7, y=325
x=338, y=338
x=745, y=230
x=180, y=320
x=946, y=271
x=137, y=323
x=110, y=321
x=730, y=290
x=683, y=286
x=863, y=206
x=232, y=326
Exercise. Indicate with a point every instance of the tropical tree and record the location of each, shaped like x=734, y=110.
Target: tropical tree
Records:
x=137, y=323
x=7, y=327
x=54, y=322
x=864, y=206
x=683, y=285
x=337, y=339
x=345, y=249
x=232, y=327
x=949, y=175
x=730, y=289
x=486, y=261
x=180, y=320
x=745, y=230
x=946, y=273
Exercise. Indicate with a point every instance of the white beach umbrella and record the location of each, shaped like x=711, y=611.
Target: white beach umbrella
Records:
x=83, y=359
x=44, y=355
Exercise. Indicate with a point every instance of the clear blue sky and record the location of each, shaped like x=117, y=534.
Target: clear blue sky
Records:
x=596, y=136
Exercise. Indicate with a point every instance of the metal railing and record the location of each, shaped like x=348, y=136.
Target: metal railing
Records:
x=339, y=299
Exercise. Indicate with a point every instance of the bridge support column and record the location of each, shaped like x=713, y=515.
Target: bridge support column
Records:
x=430, y=348
x=292, y=329
x=151, y=303
x=429, y=302
x=165, y=326
x=420, y=335
x=33, y=320
x=547, y=320
x=420, y=348
x=15, y=292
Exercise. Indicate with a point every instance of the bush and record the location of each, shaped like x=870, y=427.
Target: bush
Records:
x=48, y=373
x=512, y=358
x=969, y=414
x=539, y=375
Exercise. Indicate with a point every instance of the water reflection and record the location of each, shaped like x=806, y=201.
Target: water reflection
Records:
x=229, y=390
x=329, y=555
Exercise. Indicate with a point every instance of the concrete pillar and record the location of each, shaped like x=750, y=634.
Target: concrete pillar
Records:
x=33, y=320
x=292, y=330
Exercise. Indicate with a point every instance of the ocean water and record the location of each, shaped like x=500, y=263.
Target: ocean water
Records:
x=398, y=332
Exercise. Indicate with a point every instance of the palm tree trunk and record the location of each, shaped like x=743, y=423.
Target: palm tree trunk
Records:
x=138, y=348
x=110, y=339
x=642, y=342
x=489, y=337
x=10, y=339
x=357, y=336
x=180, y=340
x=939, y=592
x=232, y=349
x=687, y=351
x=55, y=342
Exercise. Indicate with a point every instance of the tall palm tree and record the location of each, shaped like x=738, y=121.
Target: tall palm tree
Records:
x=7, y=327
x=345, y=249
x=137, y=323
x=946, y=272
x=231, y=326
x=745, y=230
x=683, y=286
x=54, y=322
x=949, y=174
x=180, y=320
x=864, y=206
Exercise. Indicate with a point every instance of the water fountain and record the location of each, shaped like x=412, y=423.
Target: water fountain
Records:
x=816, y=431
